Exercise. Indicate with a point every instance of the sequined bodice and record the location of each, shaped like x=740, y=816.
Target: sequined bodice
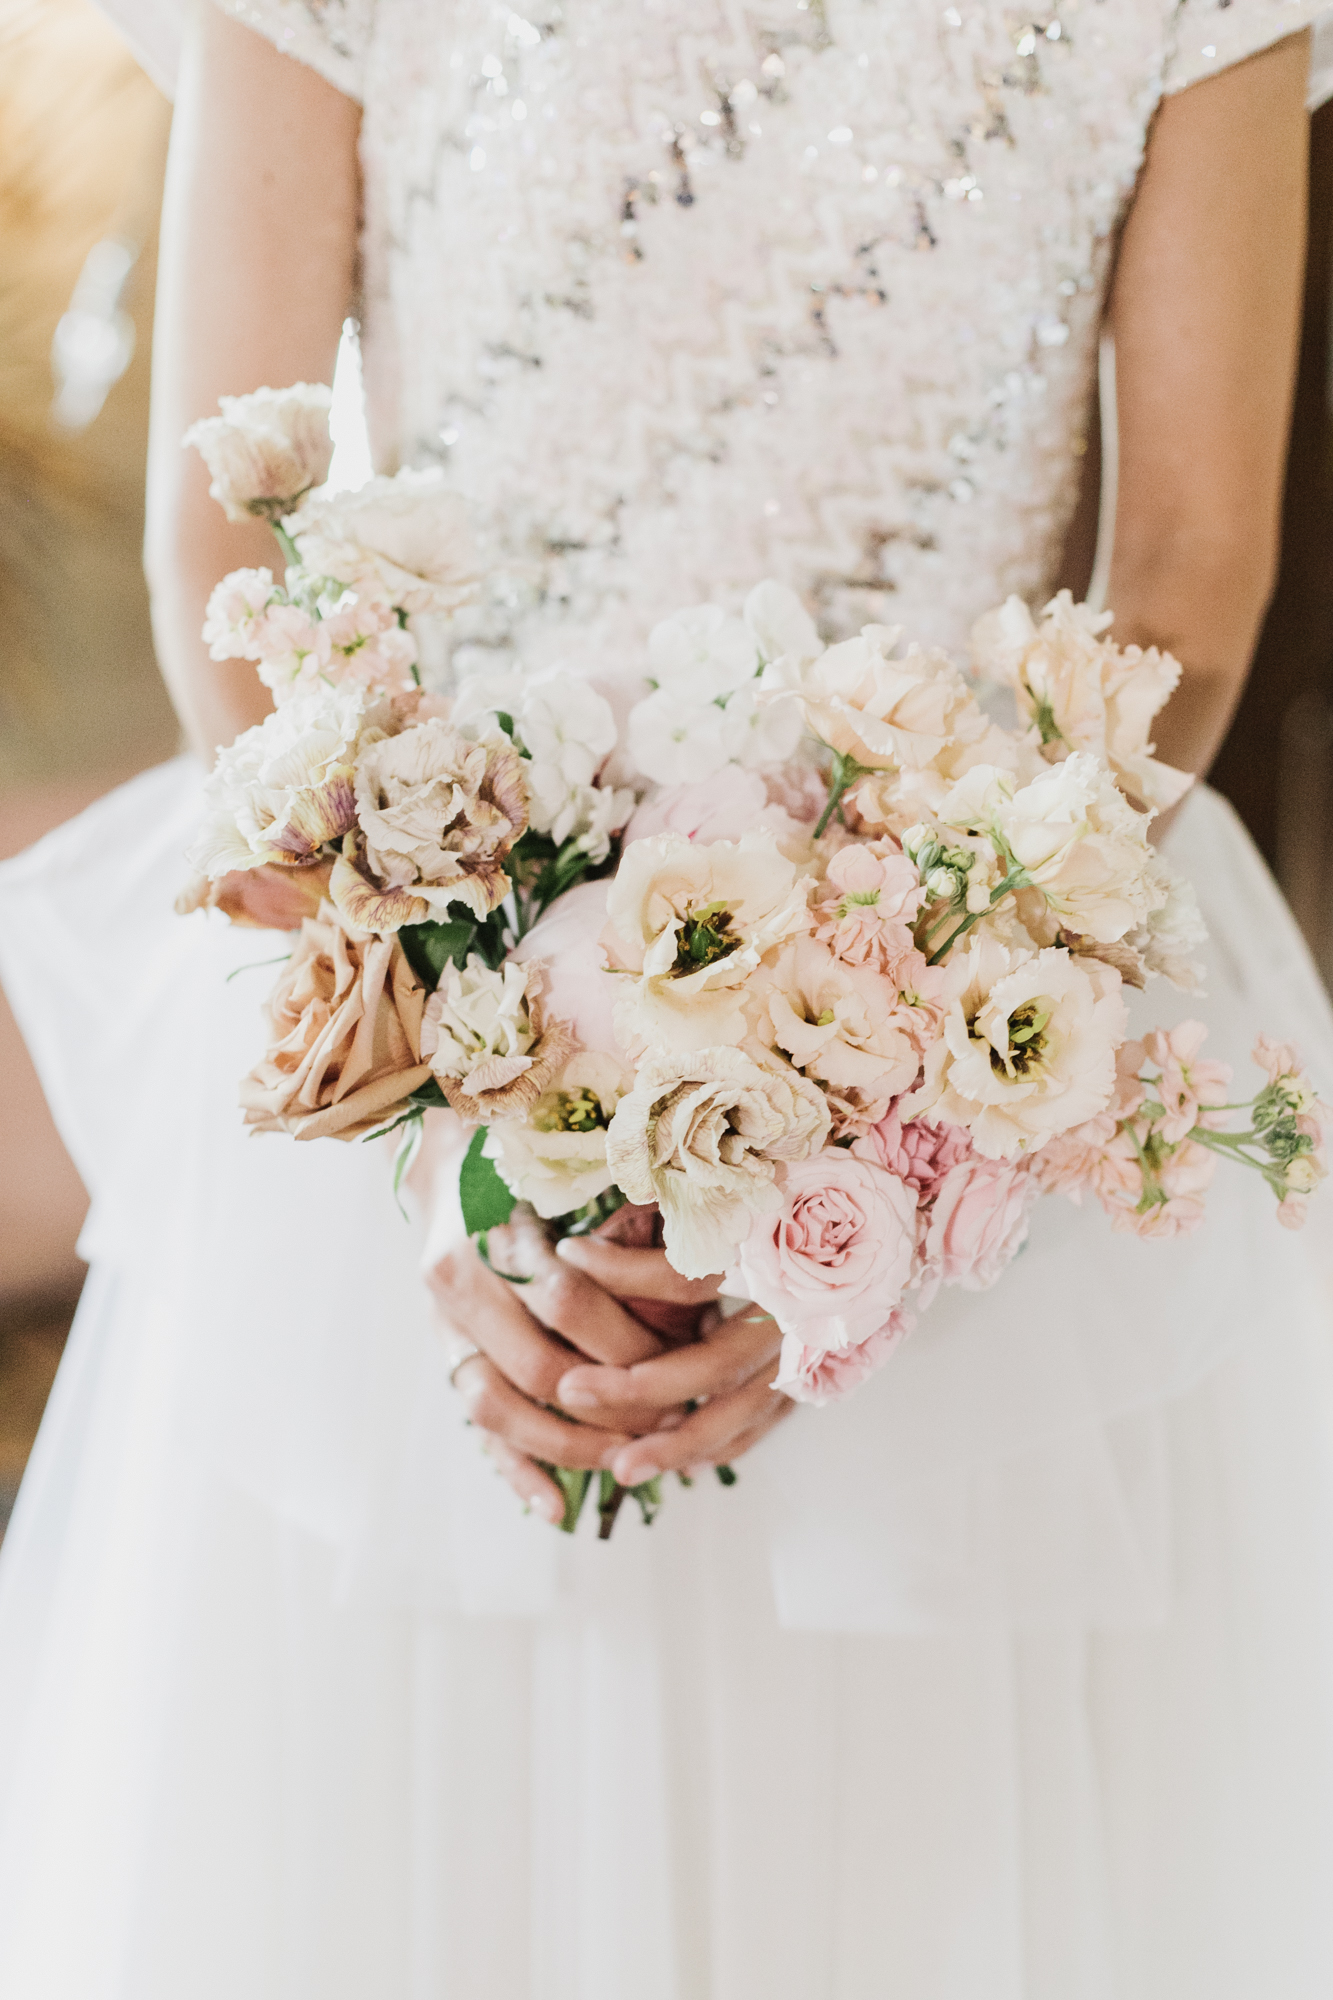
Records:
x=688, y=292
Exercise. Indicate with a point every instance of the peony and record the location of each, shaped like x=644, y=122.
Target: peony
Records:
x=437, y=818
x=690, y=922
x=566, y=942
x=285, y=787
x=1083, y=691
x=345, y=1037
x=978, y=1223
x=822, y=1375
x=839, y=1025
x=488, y=1042
x=833, y=1260
x=884, y=712
x=555, y=1157
x=871, y=896
x=404, y=540
x=1027, y=1049
x=234, y=610
x=266, y=450
x=702, y=1135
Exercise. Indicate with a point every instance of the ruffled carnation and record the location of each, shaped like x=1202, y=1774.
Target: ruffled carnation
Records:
x=488, y=1040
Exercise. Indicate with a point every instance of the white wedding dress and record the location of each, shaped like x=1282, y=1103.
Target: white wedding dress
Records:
x=1009, y=1679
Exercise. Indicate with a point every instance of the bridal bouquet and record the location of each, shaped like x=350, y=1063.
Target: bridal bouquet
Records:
x=790, y=946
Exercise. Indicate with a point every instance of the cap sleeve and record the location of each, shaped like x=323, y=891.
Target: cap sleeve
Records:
x=331, y=36
x=1209, y=35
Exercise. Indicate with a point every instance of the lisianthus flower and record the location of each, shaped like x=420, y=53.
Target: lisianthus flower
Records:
x=839, y=1024
x=267, y=449
x=404, y=540
x=880, y=710
x=554, y=1156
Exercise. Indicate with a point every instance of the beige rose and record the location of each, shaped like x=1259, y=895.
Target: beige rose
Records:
x=437, y=816
x=345, y=1051
x=840, y=1025
x=266, y=450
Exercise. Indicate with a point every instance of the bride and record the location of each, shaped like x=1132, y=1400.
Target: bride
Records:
x=1012, y=1677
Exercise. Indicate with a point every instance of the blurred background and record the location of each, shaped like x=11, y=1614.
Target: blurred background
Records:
x=83, y=134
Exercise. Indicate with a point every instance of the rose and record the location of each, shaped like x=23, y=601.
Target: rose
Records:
x=839, y=1025
x=822, y=1375
x=403, y=540
x=267, y=449
x=578, y=989
x=978, y=1223
x=437, y=817
x=555, y=1156
x=1083, y=691
x=1027, y=1049
x=832, y=1262
x=487, y=1038
x=702, y=1134
x=689, y=922
x=285, y=787
x=345, y=1037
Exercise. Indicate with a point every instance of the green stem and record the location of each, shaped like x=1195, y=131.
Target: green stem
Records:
x=287, y=545
x=1012, y=881
x=846, y=771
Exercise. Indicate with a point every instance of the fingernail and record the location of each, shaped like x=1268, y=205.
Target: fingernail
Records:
x=640, y=1475
x=575, y=1397
x=552, y=1508
x=570, y=1248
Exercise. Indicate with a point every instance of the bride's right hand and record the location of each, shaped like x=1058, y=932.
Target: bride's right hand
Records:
x=511, y=1338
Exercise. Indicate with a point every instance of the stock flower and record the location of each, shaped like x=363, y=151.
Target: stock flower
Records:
x=266, y=450
x=404, y=541
x=344, y=1037
x=437, y=817
x=673, y=741
x=833, y=1260
x=285, y=788
x=781, y=625
x=1186, y=1086
x=871, y=895
x=690, y=922
x=569, y=730
x=555, y=1157
x=702, y=1135
x=291, y=648
x=821, y=1375
x=367, y=645
x=1027, y=1049
x=1083, y=691
x=487, y=1039
x=1182, y=1178
x=839, y=1025
x=235, y=610
x=701, y=654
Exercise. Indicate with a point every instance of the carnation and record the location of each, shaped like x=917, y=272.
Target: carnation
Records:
x=487, y=1041
x=404, y=540
x=554, y=1157
x=702, y=1134
x=267, y=449
x=285, y=787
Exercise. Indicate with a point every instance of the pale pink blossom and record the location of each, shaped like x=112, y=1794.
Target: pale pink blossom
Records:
x=719, y=808
x=823, y=1375
x=871, y=895
x=293, y=649
x=832, y=1262
x=234, y=609
x=978, y=1223
x=578, y=987
x=920, y=1154
x=1187, y=1086
x=839, y=1023
x=1183, y=1177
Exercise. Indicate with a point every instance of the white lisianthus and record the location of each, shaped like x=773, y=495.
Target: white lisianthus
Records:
x=689, y=922
x=1083, y=691
x=702, y=1135
x=781, y=625
x=555, y=1157
x=404, y=541
x=1175, y=931
x=234, y=613
x=677, y=742
x=1027, y=1048
x=701, y=655
x=286, y=787
x=266, y=450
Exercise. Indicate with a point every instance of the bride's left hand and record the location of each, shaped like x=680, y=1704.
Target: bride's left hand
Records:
x=728, y=1372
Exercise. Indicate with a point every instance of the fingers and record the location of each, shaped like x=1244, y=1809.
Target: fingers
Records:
x=534, y=1487
x=568, y=1300
x=495, y=1406
x=728, y=1355
x=716, y=1434
x=635, y=1274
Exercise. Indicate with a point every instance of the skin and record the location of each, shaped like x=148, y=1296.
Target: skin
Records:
x=258, y=272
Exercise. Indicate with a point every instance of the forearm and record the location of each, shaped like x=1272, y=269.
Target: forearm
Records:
x=258, y=246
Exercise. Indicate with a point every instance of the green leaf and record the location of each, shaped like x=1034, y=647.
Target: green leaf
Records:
x=487, y=1202
x=428, y=948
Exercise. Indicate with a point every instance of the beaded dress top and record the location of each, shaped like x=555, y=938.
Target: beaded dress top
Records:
x=685, y=293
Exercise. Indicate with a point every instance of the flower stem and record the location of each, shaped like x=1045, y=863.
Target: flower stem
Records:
x=1015, y=880
x=846, y=771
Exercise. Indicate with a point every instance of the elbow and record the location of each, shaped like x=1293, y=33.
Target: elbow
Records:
x=1198, y=586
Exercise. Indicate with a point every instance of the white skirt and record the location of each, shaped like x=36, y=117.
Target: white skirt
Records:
x=1010, y=1679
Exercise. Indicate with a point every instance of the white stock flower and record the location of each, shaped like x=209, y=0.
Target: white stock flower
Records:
x=702, y=1135
x=555, y=1156
x=689, y=922
x=234, y=611
x=285, y=787
x=781, y=625
x=405, y=541
x=759, y=730
x=677, y=742
x=701, y=654
x=266, y=450
x=1027, y=1047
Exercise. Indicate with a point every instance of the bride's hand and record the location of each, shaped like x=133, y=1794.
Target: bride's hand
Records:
x=514, y=1342
x=728, y=1372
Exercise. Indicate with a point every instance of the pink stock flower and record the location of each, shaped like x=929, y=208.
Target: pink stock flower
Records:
x=1187, y=1087
x=872, y=892
x=921, y=1155
x=1277, y=1059
x=823, y=1375
x=978, y=1223
x=1183, y=1177
x=292, y=649
x=832, y=1261
x=1078, y=1160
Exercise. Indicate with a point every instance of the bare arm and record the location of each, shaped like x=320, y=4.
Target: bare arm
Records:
x=1206, y=308
x=259, y=231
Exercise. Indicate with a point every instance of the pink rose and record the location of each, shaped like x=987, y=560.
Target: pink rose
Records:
x=832, y=1262
x=978, y=1224
x=919, y=1154
x=578, y=989
x=815, y=1375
